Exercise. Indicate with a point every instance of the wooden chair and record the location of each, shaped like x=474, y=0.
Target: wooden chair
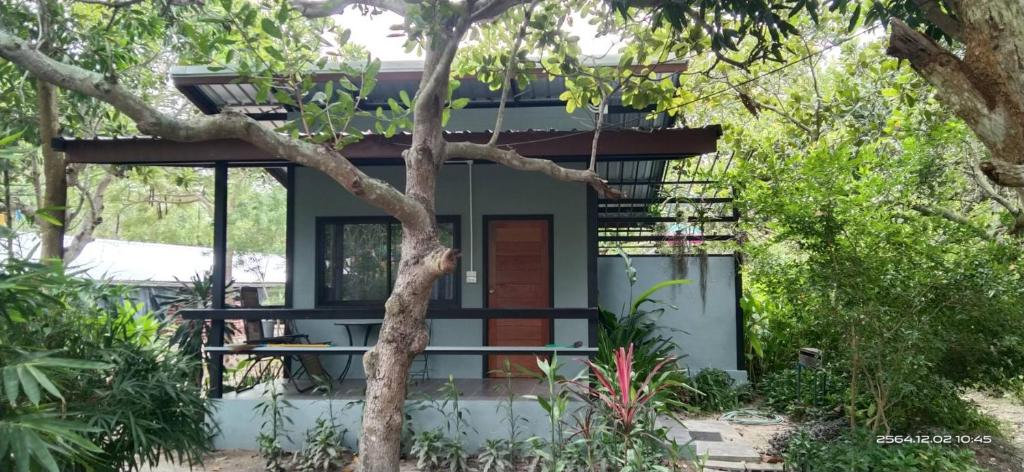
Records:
x=309, y=364
x=261, y=366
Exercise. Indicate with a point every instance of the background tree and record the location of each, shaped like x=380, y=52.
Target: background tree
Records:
x=64, y=199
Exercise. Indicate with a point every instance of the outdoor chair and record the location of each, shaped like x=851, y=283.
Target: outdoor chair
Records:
x=310, y=365
x=261, y=366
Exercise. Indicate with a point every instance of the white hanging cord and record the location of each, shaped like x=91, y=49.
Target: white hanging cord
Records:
x=472, y=217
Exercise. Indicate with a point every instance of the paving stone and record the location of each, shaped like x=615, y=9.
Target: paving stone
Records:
x=728, y=466
x=726, y=451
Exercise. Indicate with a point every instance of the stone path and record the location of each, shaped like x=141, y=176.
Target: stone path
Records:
x=718, y=446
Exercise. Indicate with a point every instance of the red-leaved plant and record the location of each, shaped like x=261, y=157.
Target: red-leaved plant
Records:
x=625, y=401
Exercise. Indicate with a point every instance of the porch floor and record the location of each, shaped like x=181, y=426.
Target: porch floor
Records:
x=352, y=389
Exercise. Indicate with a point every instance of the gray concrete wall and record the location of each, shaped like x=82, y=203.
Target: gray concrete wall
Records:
x=497, y=191
x=239, y=422
x=705, y=332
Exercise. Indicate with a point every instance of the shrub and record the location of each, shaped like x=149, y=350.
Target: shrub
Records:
x=715, y=391
x=779, y=390
x=142, y=407
x=323, y=451
x=619, y=428
x=858, y=451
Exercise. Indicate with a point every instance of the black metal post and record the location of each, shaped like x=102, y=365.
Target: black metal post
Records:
x=219, y=289
x=741, y=358
x=289, y=240
x=592, y=253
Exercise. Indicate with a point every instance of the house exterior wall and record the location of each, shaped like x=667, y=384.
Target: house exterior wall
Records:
x=705, y=332
x=497, y=190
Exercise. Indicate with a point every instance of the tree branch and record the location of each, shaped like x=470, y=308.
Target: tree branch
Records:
x=981, y=103
x=506, y=82
x=152, y=121
x=951, y=216
x=512, y=159
x=492, y=9
x=991, y=193
x=322, y=8
x=942, y=20
x=86, y=234
x=110, y=3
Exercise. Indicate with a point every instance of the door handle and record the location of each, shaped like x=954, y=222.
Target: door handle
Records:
x=490, y=291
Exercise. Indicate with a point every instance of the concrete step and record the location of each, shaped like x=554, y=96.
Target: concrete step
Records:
x=728, y=466
x=726, y=451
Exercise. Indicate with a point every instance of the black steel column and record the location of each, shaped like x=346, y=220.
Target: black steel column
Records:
x=741, y=358
x=592, y=252
x=220, y=250
x=289, y=240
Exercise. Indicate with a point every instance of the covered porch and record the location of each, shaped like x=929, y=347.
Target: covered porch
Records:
x=633, y=161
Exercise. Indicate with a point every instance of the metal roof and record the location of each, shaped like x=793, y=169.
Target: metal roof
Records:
x=213, y=91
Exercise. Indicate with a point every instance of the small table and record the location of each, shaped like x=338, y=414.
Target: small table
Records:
x=369, y=324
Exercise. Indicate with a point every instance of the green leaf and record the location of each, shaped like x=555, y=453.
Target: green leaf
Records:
x=45, y=382
x=268, y=26
x=29, y=384
x=646, y=294
x=11, y=385
x=460, y=103
x=41, y=452
x=10, y=138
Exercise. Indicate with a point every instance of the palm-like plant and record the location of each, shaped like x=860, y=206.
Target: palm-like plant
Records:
x=188, y=335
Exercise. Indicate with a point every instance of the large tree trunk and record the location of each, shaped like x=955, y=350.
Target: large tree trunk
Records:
x=985, y=87
x=55, y=195
x=404, y=333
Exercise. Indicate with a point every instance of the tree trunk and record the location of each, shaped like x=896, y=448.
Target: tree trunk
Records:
x=984, y=87
x=404, y=333
x=55, y=195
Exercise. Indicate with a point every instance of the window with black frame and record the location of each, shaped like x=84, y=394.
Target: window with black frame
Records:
x=358, y=260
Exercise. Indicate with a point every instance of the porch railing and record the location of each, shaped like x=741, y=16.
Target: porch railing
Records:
x=216, y=349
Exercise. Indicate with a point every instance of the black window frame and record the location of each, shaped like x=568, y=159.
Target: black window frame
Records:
x=320, y=289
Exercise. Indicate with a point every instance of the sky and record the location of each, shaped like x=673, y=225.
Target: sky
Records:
x=372, y=32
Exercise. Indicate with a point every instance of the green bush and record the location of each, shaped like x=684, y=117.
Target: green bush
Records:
x=859, y=451
x=139, y=408
x=716, y=391
x=823, y=390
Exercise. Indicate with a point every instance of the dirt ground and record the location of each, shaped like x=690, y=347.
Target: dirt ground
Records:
x=1003, y=455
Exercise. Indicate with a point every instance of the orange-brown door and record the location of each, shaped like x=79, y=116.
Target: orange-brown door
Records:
x=518, y=276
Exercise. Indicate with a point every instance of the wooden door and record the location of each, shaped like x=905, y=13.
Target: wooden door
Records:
x=518, y=276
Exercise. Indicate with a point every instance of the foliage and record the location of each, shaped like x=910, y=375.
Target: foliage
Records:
x=619, y=428
x=555, y=403
x=912, y=290
x=443, y=448
x=188, y=335
x=274, y=428
x=716, y=390
x=513, y=443
x=496, y=455
x=323, y=450
x=779, y=390
x=859, y=451
x=637, y=327
x=56, y=330
x=434, y=452
x=32, y=431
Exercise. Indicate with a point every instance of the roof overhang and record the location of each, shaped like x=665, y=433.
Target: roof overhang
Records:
x=563, y=146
